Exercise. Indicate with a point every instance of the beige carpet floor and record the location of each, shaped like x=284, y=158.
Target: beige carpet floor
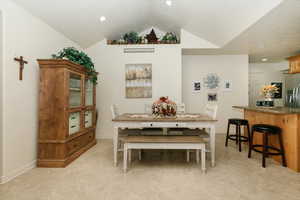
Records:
x=163, y=176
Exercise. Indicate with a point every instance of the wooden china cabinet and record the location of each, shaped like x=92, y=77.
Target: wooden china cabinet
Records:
x=67, y=112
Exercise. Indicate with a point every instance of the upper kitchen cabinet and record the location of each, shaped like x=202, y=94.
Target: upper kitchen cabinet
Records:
x=294, y=64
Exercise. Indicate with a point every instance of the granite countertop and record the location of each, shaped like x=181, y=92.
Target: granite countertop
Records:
x=272, y=110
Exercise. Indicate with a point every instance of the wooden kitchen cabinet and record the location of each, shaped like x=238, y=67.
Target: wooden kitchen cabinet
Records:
x=294, y=64
x=67, y=116
x=290, y=125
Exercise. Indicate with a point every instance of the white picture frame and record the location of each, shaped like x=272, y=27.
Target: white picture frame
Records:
x=138, y=80
x=227, y=86
x=212, y=97
x=196, y=86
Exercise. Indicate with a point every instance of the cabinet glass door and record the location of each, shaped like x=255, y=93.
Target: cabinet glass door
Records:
x=88, y=119
x=74, y=122
x=75, y=90
x=89, y=93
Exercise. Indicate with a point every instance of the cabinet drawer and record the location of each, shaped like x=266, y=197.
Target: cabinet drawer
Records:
x=79, y=142
x=90, y=137
x=74, y=145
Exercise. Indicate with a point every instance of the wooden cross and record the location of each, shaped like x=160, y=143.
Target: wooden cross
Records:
x=22, y=62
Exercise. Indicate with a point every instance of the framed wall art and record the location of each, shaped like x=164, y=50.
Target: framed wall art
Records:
x=212, y=97
x=279, y=86
x=211, y=81
x=138, y=78
x=227, y=86
x=196, y=86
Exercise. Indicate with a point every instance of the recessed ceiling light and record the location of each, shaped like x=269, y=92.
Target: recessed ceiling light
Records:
x=264, y=59
x=102, y=18
x=169, y=2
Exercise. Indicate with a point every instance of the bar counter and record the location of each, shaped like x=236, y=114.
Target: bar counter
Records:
x=288, y=119
x=272, y=110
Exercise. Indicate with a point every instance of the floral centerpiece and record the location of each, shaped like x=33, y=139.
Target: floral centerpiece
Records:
x=268, y=91
x=164, y=107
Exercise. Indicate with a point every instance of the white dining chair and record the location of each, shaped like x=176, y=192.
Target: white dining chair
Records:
x=151, y=131
x=180, y=109
x=123, y=132
x=148, y=108
x=211, y=111
x=114, y=111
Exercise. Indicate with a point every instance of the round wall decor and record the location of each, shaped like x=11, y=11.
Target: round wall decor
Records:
x=211, y=81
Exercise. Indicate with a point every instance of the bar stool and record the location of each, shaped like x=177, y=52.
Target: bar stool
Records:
x=267, y=130
x=237, y=137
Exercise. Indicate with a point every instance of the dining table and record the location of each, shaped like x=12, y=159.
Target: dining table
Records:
x=145, y=120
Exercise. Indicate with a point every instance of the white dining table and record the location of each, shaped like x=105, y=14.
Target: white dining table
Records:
x=141, y=120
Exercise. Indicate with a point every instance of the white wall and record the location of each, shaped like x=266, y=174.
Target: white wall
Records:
x=1, y=91
x=228, y=67
x=30, y=37
x=261, y=74
x=110, y=63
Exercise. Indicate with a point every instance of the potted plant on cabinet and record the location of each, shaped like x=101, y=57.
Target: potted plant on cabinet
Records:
x=78, y=57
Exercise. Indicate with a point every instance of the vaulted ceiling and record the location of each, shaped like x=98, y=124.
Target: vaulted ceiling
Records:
x=224, y=23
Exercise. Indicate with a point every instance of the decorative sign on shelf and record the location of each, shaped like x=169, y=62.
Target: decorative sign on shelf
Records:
x=22, y=62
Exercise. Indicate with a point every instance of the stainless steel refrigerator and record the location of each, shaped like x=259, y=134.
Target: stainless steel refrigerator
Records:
x=292, y=85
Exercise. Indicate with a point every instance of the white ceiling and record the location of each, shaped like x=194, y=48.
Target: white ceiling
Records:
x=238, y=26
x=276, y=36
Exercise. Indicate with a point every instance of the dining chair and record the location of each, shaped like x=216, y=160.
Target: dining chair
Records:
x=123, y=132
x=180, y=109
x=148, y=108
x=151, y=131
x=211, y=111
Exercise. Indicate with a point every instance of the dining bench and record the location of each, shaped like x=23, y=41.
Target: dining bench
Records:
x=164, y=142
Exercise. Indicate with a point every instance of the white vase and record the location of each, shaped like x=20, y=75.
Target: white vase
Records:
x=269, y=96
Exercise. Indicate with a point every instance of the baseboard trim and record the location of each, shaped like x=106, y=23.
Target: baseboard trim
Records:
x=18, y=172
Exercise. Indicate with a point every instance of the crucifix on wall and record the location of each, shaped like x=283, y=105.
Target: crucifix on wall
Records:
x=22, y=62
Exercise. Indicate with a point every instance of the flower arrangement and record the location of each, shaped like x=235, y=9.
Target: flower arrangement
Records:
x=269, y=90
x=164, y=107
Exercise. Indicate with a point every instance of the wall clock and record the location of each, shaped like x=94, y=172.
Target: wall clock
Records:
x=211, y=81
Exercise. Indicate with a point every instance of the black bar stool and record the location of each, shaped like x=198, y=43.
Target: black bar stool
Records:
x=237, y=137
x=267, y=130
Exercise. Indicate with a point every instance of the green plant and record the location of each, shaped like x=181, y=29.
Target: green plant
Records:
x=131, y=37
x=80, y=58
x=170, y=37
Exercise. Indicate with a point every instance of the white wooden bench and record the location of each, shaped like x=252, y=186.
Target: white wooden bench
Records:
x=164, y=142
